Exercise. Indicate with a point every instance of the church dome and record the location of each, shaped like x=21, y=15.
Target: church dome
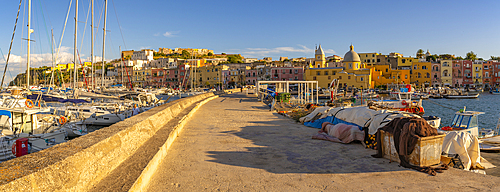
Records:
x=351, y=56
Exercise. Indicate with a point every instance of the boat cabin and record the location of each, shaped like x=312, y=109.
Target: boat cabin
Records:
x=466, y=121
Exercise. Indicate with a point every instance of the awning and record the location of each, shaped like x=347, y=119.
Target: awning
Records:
x=6, y=113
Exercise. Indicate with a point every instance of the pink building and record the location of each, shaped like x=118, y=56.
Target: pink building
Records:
x=457, y=77
x=495, y=77
x=487, y=74
x=467, y=68
x=252, y=76
x=287, y=73
x=436, y=74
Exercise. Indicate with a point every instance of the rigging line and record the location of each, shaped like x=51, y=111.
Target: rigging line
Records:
x=11, y=41
x=85, y=28
x=5, y=61
x=441, y=105
x=64, y=29
x=44, y=23
x=119, y=26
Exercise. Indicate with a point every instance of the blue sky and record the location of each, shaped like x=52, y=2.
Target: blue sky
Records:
x=258, y=28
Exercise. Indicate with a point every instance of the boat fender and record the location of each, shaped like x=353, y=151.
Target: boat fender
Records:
x=62, y=120
x=29, y=103
x=135, y=105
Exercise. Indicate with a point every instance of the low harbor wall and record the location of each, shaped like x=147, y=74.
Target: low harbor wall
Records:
x=79, y=164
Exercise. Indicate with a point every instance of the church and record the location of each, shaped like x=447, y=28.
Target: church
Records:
x=352, y=74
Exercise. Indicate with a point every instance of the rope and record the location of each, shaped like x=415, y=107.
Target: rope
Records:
x=11, y=41
x=441, y=105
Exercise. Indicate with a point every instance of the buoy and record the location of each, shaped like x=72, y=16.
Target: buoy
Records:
x=29, y=103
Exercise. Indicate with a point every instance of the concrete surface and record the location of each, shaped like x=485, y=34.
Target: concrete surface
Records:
x=234, y=143
x=79, y=164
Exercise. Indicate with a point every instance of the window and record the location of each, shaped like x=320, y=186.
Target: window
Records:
x=403, y=60
x=333, y=72
x=350, y=65
x=386, y=70
x=296, y=71
x=378, y=60
x=329, y=77
x=314, y=78
x=406, y=76
x=415, y=67
x=427, y=75
x=326, y=72
x=208, y=78
x=348, y=77
x=318, y=73
x=373, y=60
x=361, y=79
x=290, y=71
x=424, y=67
x=357, y=65
x=340, y=77
x=208, y=70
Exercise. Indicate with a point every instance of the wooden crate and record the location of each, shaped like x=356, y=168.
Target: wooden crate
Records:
x=427, y=151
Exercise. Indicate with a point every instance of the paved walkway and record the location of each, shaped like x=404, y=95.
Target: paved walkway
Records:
x=234, y=143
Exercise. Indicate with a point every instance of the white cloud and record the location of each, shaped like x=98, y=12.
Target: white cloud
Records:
x=262, y=52
x=17, y=63
x=170, y=33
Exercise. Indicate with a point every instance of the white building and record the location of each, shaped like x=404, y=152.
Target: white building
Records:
x=168, y=63
x=144, y=54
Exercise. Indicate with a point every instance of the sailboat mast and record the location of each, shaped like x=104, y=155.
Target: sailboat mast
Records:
x=103, y=41
x=92, y=46
x=53, y=61
x=121, y=57
x=29, y=41
x=75, y=74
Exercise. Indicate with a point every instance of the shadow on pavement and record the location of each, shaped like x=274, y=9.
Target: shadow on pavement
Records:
x=283, y=146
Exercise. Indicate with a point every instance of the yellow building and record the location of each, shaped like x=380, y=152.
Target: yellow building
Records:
x=368, y=58
x=477, y=72
x=421, y=74
x=406, y=62
x=353, y=74
x=384, y=75
x=61, y=67
x=447, y=72
x=319, y=58
x=210, y=75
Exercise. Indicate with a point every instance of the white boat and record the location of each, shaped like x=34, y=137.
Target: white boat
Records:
x=466, y=121
x=462, y=96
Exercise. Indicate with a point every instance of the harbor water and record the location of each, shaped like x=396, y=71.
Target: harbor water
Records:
x=446, y=108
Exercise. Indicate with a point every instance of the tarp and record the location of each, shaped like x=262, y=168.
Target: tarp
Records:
x=465, y=145
x=72, y=101
x=359, y=116
x=6, y=113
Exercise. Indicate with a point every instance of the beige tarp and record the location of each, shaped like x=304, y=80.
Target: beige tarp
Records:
x=466, y=146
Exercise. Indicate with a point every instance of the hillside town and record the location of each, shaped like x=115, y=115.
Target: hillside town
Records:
x=185, y=68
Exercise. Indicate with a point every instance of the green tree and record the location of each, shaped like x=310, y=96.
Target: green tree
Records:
x=210, y=54
x=471, y=56
x=494, y=58
x=185, y=54
x=420, y=53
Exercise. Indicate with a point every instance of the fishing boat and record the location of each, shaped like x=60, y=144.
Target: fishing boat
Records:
x=468, y=96
x=401, y=101
x=467, y=121
x=495, y=92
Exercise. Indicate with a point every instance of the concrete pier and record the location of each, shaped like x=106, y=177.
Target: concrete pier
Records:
x=234, y=143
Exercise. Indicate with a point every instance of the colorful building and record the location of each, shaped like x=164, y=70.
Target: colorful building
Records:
x=287, y=73
x=457, y=77
x=487, y=74
x=446, y=73
x=436, y=74
x=496, y=73
x=384, y=75
x=421, y=74
x=467, y=67
x=353, y=74
x=319, y=58
x=477, y=73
